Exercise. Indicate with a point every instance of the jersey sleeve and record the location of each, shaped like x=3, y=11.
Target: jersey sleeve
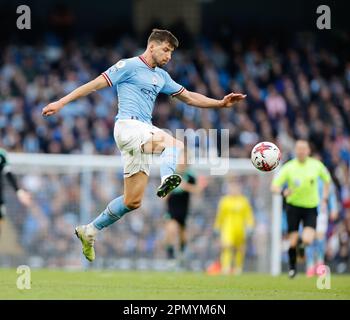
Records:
x=117, y=73
x=170, y=86
x=5, y=168
x=281, y=178
x=324, y=173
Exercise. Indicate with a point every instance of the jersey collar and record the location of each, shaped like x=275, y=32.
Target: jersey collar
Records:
x=146, y=63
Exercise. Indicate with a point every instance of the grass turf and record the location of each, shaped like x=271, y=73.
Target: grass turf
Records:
x=137, y=285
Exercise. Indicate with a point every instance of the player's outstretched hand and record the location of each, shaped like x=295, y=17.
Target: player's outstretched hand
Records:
x=230, y=99
x=52, y=108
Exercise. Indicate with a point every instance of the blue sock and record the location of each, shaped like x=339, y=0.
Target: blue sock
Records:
x=309, y=254
x=320, y=249
x=170, y=157
x=114, y=211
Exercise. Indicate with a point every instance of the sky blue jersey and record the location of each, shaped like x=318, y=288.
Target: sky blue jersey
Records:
x=137, y=85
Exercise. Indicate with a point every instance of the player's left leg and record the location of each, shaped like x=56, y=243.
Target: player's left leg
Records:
x=292, y=253
x=310, y=259
x=320, y=240
x=134, y=188
x=293, y=221
x=171, y=237
x=183, y=238
x=182, y=243
x=226, y=258
x=316, y=251
x=308, y=236
x=320, y=248
x=170, y=150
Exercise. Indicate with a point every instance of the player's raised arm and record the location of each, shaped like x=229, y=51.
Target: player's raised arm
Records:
x=199, y=100
x=96, y=84
x=23, y=196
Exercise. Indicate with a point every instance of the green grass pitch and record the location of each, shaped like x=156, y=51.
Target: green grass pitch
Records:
x=139, y=285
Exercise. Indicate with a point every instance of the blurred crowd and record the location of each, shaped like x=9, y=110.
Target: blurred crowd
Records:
x=46, y=229
x=301, y=90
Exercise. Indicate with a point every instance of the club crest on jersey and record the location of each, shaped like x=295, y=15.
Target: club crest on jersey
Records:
x=117, y=66
x=154, y=80
x=120, y=64
x=297, y=182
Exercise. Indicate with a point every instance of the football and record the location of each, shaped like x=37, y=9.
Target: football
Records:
x=265, y=156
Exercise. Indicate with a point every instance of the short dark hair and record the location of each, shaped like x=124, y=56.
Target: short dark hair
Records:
x=162, y=36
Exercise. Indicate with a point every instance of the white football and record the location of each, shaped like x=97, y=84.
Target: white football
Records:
x=265, y=156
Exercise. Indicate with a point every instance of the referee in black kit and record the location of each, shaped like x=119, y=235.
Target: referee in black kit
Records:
x=23, y=196
x=298, y=181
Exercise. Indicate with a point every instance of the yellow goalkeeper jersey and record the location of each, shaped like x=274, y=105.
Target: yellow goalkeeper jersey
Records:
x=234, y=212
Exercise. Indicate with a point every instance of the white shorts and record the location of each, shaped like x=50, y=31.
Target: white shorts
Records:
x=322, y=223
x=130, y=135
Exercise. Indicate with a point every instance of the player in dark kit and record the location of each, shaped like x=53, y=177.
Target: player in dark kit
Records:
x=178, y=203
x=23, y=196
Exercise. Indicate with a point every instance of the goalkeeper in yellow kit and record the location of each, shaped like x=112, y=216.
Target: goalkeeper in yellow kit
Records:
x=233, y=220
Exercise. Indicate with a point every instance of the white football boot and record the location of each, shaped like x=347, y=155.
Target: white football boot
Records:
x=87, y=235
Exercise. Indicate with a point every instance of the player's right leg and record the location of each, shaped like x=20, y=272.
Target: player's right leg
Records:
x=292, y=253
x=293, y=221
x=227, y=245
x=171, y=153
x=134, y=188
x=239, y=259
x=239, y=244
